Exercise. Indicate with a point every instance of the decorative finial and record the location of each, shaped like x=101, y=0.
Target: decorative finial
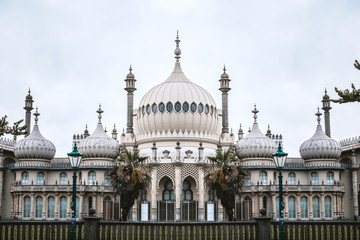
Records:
x=29, y=91
x=130, y=69
x=36, y=114
x=318, y=114
x=224, y=69
x=325, y=91
x=154, y=144
x=255, y=111
x=99, y=111
x=177, y=49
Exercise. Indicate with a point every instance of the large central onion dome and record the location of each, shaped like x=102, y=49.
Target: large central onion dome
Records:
x=178, y=106
x=99, y=144
x=256, y=144
x=320, y=146
x=35, y=146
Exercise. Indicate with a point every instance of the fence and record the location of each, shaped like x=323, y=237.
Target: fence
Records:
x=262, y=228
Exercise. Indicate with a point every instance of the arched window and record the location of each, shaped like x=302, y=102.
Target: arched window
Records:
x=328, y=208
x=291, y=201
x=168, y=193
x=211, y=110
x=40, y=178
x=148, y=109
x=39, y=207
x=27, y=205
x=200, y=108
x=51, y=207
x=187, y=194
x=316, y=207
x=193, y=107
x=63, y=207
x=247, y=180
x=143, y=110
x=304, y=207
x=92, y=178
x=263, y=178
x=161, y=107
x=185, y=107
x=154, y=108
x=107, y=179
x=314, y=178
x=206, y=109
x=25, y=178
x=63, y=178
x=169, y=107
x=177, y=107
x=291, y=179
x=330, y=178
x=247, y=208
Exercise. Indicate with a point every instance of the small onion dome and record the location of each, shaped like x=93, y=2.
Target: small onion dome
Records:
x=256, y=144
x=224, y=75
x=130, y=74
x=99, y=144
x=29, y=97
x=326, y=97
x=320, y=146
x=35, y=146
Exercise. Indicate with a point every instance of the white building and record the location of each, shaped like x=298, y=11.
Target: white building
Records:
x=177, y=124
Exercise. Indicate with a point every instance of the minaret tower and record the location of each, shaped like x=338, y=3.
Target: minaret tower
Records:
x=224, y=88
x=130, y=88
x=28, y=107
x=326, y=107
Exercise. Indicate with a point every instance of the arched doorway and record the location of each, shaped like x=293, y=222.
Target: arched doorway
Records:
x=166, y=206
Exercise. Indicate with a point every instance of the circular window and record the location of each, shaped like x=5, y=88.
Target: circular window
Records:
x=211, y=110
x=193, y=107
x=161, y=107
x=206, y=109
x=177, y=106
x=154, y=108
x=169, y=185
x=143, y=110
x=148, y=109
x=169, y=107
x=185, y=107
x=186, y=185
x=201, y=108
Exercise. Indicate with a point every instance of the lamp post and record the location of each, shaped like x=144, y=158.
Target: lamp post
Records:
x=75, y=159
x=280, y=159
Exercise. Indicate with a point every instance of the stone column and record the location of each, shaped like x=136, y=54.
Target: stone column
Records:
x=263, y=229
x=355, y=193
x=45, y=206
x=91, y=228
x=32, y=206
x=130, y=88
x=1, y=189
x=81, y=205
x=20, y=207
x=298, y=208
x=178, y=188
x=153, y=192
x=310, y=207
x=326, y=107
x=68, y=207
x=273, y=201
x=224, y=88
x=202, y=191
x=57, y=206
x=322, y=206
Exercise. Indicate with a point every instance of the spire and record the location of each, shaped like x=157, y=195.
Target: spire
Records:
x=255, y=111
x=268, y=132
x=36, y=114
x=318, y=114
x=177, y=49
x=326, y=107
x=99, y=111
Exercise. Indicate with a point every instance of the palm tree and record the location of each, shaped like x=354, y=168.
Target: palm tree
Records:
x=226, y=179
x=128, y=179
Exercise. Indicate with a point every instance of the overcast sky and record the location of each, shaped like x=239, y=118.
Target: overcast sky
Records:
x=279, y=54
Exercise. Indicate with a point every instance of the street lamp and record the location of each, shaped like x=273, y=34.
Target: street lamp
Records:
x=280, y=159
x=75, y=159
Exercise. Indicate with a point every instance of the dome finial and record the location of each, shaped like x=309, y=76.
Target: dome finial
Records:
x=177, y=49
x=255, y=111
x=99, y=111
x=36, y=114
x=318, y=114
x=29, y=91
